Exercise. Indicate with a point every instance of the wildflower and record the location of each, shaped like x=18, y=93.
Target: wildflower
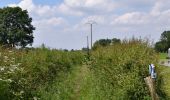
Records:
x=6, y=57
x=9, y=80
x=19, y=64
x=10, y=51
x=12, y=70
x=21, y=92
x=2, y=69
x=35, y=98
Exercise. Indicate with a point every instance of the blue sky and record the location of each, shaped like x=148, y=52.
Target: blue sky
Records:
x=62, y=23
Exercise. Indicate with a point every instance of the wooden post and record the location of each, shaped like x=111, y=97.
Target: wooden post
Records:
x=151, y=85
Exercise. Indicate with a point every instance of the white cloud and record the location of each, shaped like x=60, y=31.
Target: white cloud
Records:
x=54, y=21
x=64, y=9
x=36, y=10
x=25, y=4
x=68, y=19
x=95, y=18
x=88, y=4
x=133, y=18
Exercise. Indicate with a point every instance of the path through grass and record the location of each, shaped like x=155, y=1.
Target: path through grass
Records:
x=79, y=84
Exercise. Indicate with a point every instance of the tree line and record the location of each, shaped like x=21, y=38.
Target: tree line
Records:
x=164, y=43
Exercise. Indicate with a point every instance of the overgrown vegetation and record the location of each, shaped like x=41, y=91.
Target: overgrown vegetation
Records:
x=114, y=72
x=165, y=73
x=121, y=69
x=23, y=72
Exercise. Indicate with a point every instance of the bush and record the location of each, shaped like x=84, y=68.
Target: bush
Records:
x=121, y=70
x=23, y=72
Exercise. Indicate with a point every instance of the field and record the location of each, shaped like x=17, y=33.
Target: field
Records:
x=163, y=55
x=114, y=72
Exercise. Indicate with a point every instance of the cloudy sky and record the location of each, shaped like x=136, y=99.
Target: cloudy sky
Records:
x=62, y=23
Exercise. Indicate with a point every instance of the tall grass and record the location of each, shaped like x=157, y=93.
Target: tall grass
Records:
x=114, y=72
x=121, y=69
x=24, y=72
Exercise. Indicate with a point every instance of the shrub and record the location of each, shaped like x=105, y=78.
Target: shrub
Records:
x=122, y=68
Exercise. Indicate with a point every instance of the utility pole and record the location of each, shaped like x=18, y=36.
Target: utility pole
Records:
x=87, y=42
x=91, y=30
x=88, y=53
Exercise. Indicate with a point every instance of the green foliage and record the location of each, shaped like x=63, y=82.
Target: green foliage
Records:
x=163, y=55
x=121, y=70
x=165, y=73
x=23, y=72
x=114, y=72
x=164, y=43
x=105, y=42
x=15, y=27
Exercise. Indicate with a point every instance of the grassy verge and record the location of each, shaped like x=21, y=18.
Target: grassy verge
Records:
x=165, y=73
x=72, y=86
x=163, y=55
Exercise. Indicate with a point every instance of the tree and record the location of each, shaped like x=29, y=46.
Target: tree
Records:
x=115, y=40
x=15, y=27
x=164, y=43
x=105, y=42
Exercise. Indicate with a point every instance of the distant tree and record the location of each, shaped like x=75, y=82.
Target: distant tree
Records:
x=115, y=40
x=105, y=42
x=164, y=43
x=15, y=27
x=161, y=46
x=84, y=49
x=66, y=50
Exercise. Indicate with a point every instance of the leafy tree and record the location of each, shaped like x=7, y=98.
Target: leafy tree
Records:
x=105, y=42
x=164, y=43
x=161, y=46
x=15, y=27
x=115, y=40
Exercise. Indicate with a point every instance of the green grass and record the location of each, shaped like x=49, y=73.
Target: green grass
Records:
x=77, y=85
x=113, y=73
x=165, y=73
x=163, y=55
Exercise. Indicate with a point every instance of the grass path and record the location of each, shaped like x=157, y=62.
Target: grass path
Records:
x=79, y=84
x=80, y=80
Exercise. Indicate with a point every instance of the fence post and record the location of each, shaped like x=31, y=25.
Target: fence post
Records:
x=151, y=85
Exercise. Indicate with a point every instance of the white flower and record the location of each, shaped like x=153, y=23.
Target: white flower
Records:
x=9, y=80
x=2, y=69
x=12, y=70
x=10, y=51
x=5, y=57
x=19, y=64
x=35, y=98
x=21, y=92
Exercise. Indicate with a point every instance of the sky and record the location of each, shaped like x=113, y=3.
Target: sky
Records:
x=62, y=24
